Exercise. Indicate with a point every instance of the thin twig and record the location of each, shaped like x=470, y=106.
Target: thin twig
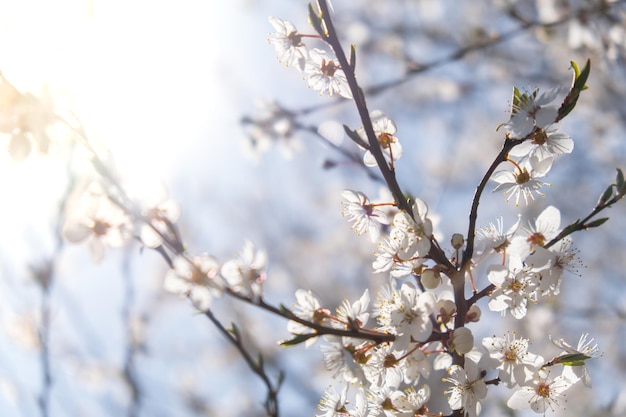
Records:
x=271, y=402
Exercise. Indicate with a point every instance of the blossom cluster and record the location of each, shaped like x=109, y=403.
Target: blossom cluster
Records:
x=321, y=69
x=534, y=125
x=403, y=377
x=523, y=267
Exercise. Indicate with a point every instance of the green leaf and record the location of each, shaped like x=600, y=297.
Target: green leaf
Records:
x=315, y=19
x=596, y=223
x=300, y=338
x=260, y=361
x=580, y=82
x=578, y=85
x=352, y=134
x=234, y=331
x=608, y=193
x=619, y=180
x=572, y=359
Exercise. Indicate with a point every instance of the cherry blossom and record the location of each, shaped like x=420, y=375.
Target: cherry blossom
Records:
x=198, y=279
x=384, y=130
x=541, y=394
x=468, y=388
x=288, y=43
x=366, y=216
x=524, y=180
x=325, y=75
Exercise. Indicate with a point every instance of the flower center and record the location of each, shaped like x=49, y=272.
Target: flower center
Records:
x=543, y=390
x=295, y=39
x=540, y=136
x=328, y=68
x=537, y=239
x=523, y=177
x=100, y=227
x=385, y=139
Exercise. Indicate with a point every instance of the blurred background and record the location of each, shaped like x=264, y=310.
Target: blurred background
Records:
x=176, y=94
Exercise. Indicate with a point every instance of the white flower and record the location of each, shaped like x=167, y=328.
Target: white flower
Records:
x=197, y=279
x=307, y=307
x=468, y=387
x=92, y=217
x=514, y=287
x=392, y=255
x=551, y=263
x=246, y=274
x=543, y=143
x=407, y=315
x=532, y=111
x=325, y=75
x=493, y=238
x=161, y=214
x=333, y=404
x=408, y=244
x=273, y=124
x=288, y=43
x=511, y=357
x=546, y=227
x=524, y=180
x=541, y=394
x=355, y=313
x=365, y=215
x=384, y=130
x=411, y=402
x=574, y=359
x=343, y=357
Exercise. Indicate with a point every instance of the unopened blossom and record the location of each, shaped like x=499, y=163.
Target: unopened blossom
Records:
x=246, y=274
x=92, y=217
x=325, y=75
x=364, y=215
x=511, y=357
x=384, y=130
x=468, y=388
x=515, y=286
x=288, y=43
x=462, y=340
x=574, y=358
x=541, y=394
x=525, y=180
x=197, y=278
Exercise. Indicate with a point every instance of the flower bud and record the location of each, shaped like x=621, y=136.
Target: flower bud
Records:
x=430, y=279
x=473, y=314
x=457, y=241
x=462, y=340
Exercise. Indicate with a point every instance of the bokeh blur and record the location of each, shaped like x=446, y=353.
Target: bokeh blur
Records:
x=171, y=95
